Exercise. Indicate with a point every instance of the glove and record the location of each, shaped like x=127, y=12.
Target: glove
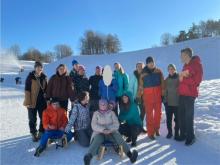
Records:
x=138, y=100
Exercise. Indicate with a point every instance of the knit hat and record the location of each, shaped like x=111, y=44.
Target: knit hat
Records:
x=103, y=102
x=81, y=67
x=54, y=100
x=38, y=64
x=98, y=67
x=74, y=62
x=172, y=66
x=149, y=60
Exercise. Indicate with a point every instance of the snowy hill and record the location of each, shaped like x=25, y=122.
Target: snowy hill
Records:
x=207, y=48
x=17, y=148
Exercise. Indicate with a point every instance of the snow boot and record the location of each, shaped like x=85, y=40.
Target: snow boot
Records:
x=190, y=142
x=38, y=151
x=169, y=135
x=87, y=159
x=132, y=156
x=34, y=137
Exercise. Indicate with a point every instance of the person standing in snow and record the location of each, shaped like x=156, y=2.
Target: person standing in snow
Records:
x=105, y=126
x=130, y=121
x=190, y=79
x=54, y=122
x=80, y=120
x=94, y=89
x=60, y=86
x=171, y=101
x=35, y=101
x=74, y=71
x=80, y=81
x=151, y=86
x=133, y=88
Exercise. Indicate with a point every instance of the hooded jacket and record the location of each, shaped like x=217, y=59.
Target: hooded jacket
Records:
x=190, y=85
x=131, y=116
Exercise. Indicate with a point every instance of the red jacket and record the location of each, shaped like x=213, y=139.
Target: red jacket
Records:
x=55, y=118
x=190, y=85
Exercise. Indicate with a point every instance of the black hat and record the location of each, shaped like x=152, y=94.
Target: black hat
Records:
x=149, y=60
x=54, y=100
x=38, y=64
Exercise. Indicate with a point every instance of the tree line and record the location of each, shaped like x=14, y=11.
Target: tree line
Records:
x=209, y=28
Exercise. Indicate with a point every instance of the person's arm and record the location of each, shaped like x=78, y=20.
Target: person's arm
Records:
x=95, y=125
x=70, y=89
x=64, y=120
x=49, y=88
x=27, y=95
x=162, y=82
x=126, y=82
x=115, y=123
x=72, y=119
x=45, y=120
x=140, y=86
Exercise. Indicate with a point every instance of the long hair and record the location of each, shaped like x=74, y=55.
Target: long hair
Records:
x=65, y=68
x=121, y=69
x=125, y=106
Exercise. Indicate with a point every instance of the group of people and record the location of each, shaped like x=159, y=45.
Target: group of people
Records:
x=115, y=112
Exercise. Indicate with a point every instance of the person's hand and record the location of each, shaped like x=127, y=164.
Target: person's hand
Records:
x=181, y=78
x=185, y=73
x=61, y=129
x=106, y=131
x=137, y=100
x=64, y=135
x=51, y=126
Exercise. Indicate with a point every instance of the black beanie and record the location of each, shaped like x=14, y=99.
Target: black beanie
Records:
x=149, y=60
x=38, y=64
x=54, y=100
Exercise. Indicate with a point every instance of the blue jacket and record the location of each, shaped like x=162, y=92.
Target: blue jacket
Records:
x=112, y=90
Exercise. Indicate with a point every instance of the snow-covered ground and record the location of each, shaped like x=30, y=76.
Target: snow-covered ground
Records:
x=16, y=146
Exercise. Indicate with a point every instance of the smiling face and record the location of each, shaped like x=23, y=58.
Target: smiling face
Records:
x=55, y=105
x=125, y=99
x=151, y=65
x=103, y=106
x=139, y=67
x=61, y=70
x=117, y=66
x=38, y=70
x=171, y=71
x=185, y=58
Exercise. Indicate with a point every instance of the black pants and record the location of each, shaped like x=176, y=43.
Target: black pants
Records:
x=142, y=110
x=170, y=112
x=186, y=116
x=130, y=131
x=64, y=104
x=32, y=117
x=93, y=106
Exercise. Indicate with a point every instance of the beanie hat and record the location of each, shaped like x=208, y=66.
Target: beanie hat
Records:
x=38, y=64
x=149, y=60
x=74, y=62
x=81, y=67
x=172, y=66
x=103, y=101
x=98, y=67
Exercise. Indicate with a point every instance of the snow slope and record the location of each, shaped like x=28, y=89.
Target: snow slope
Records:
x=17, y=148
x=207, y=48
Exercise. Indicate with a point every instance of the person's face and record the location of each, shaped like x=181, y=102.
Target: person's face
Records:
x=117, y=67
x=86, y=100
x=55, y=105
x=139, y=68
x=185, y=58
x=151, y=65
x=61, y=70
x=171, y=71
x=125, y=99
x=81, y=72
x=38, y=70
x=98, y=71
x=111, y=106
x=103, y=106
x=76, y=67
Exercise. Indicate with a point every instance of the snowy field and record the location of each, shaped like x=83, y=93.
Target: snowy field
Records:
x=16, y=146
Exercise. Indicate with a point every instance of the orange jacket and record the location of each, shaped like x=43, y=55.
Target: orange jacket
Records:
x=54, y=118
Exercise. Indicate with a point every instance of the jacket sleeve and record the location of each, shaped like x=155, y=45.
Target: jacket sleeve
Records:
x=133, y=85
x=114, y=85
x=64, y=119
x=140, y=86
x=126, y=82
x=115, y=123
x=45, y=120
x=49, y=88
x=95, y=125
x=70, y=89
x=72, y=119
x=27, y=95
x=162, y=83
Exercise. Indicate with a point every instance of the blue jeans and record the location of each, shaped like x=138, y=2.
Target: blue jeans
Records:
x=53, y=134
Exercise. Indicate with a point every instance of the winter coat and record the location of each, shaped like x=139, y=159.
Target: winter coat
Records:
x=123, y=82
x=133, y=84
x=73, y=73
x=61, y=86
x=34, y=91
x=171, y=96
x=94, y=87
x=79, y=118
x=130, y=116
x=54, y=117
x=81, y=83
x=151, y=85
x=190, y=85
x=108, y=93
x=102, y=121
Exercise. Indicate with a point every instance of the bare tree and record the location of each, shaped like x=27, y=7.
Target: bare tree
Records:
x=166, y=39
x=62, y=51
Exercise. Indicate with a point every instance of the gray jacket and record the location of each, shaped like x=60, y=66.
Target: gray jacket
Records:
x=79, y=118
x=171, y=90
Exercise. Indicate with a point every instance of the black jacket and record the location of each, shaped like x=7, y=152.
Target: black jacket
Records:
x=94, y=87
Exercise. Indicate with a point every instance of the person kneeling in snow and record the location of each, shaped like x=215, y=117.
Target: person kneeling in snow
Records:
x=54, y=123
x=105, y=126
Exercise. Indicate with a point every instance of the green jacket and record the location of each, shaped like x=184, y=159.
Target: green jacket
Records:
x=131, y=116
x=122, y=80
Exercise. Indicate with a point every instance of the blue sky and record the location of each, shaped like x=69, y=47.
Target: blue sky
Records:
x=138, y=23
